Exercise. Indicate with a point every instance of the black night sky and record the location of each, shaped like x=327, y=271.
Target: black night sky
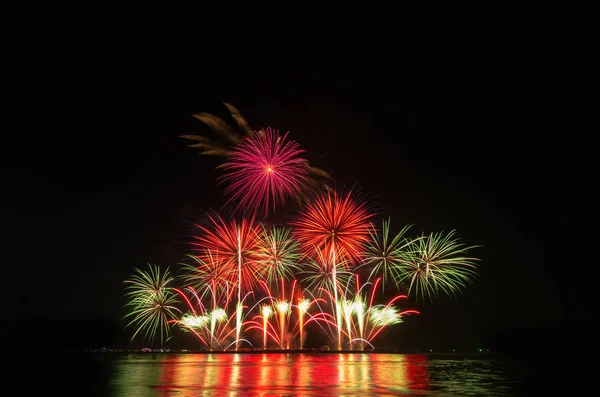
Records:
x=100, y=183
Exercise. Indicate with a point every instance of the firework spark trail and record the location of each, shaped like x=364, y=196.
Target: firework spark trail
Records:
x=384, y=254
x=266, y=313
x=278, y=254
x=237, y=244
x=314, y=180
x=318, y=273
x=303, y=305
x=321, y=316
x=283, y=308
x=374, y=318
x=280, y=307
x=436, y=263
x=209, y=325
x=206, y=274
x=337, y=225
x=264, y=171
x=150, y=302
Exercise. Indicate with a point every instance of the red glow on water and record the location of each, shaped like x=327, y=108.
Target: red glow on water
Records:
x=289, y=374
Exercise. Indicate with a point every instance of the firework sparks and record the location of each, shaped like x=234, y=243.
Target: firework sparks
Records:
x=324, y=274
x=194, y=321
x=206, y=274
x=264, y=171
x=337, y=226
x=367, y=319
x=385, y=255
x=151, y=302
x=266, y=313
x=237, y=244
x=315, y=179
x=437, y=263
x=278, y=254
x=382, y=316
x=303, y=305
x=283, y=308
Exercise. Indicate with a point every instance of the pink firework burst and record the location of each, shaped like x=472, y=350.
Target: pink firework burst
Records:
x=264, y=171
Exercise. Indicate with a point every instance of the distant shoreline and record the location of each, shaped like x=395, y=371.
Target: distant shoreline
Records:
x=277, y=351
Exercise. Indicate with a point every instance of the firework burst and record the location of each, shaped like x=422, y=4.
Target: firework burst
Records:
x=264, y=171
x=384, y=254
x=315, y=179
x=230, y=248
x=209, y=323
x=278, y=254
x=366, y=320
x=319, y=274
x=150, y=302
x=330, y=240
x=336, y=224
x=437, y=263
x=237, y=244
x=206, y=274
x=288, y=319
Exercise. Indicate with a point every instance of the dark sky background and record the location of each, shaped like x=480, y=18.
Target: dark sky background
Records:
x=103, y=184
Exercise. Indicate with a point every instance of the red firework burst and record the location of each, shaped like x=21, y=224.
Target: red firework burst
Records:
x=235, y=244
x=336, y=225
x=264, y=171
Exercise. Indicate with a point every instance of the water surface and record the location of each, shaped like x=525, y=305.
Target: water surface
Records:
x=317, y=374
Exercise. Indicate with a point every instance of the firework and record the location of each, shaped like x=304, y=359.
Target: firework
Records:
x=211, y=325
x=331, y=239
x=303, y=305
x=206, y=274
x=364, y=319
x=283, y=308
x=266, y=313
x=325, y=275
x=280, y=308
x=383, y=254
x=151, y=302
x=321, y=273
x=382, y=316
x=278, y=254
x=264, y=171
x=315, y=179
x=237, y=244
x=437, y=263
x=337, y=226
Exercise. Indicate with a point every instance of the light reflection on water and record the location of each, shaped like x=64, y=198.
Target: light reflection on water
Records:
x=305, y=374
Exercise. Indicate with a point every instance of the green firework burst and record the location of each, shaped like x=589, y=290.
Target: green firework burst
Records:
x=437, y=263
x=386, y=255
x=318, y=274
x=150, y=303
x=279, y=254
